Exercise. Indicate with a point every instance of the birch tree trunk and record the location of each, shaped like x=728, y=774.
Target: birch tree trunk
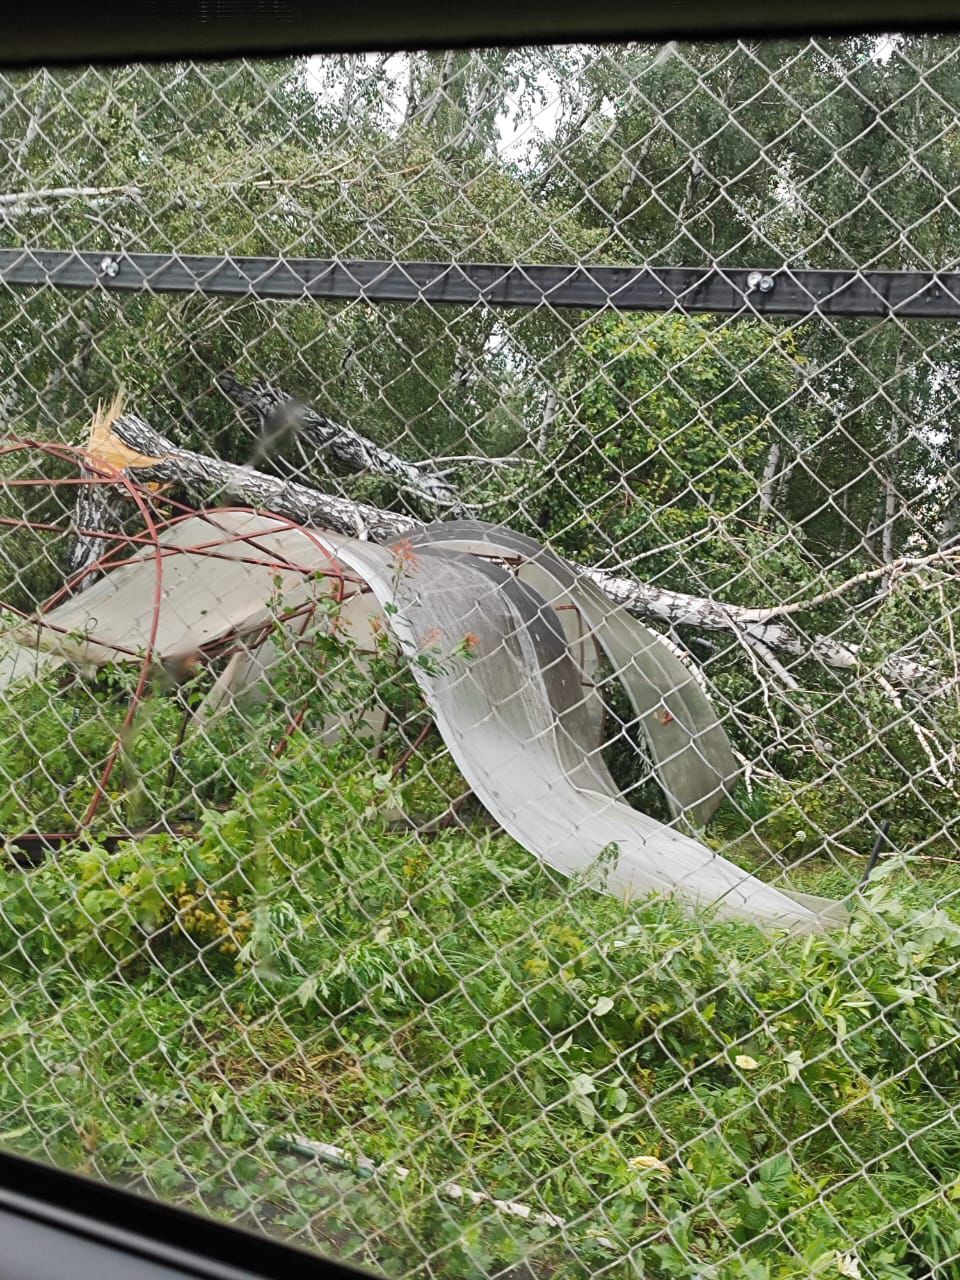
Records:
x=768, y=481
x=887, y=538
x=98, y=513
x=439, y=93
x=160, y=460
x=547, y=421
x=890, y=496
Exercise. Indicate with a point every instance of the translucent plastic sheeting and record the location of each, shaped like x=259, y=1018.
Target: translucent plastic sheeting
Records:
x=692, y=757
x=214, y=575
x=514, y=720
x=513, y=714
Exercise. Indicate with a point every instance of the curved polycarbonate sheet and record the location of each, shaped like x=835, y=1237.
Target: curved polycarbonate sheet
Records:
x=693, y=760
x=216, y=575
x=499, y=722
x=513, y=715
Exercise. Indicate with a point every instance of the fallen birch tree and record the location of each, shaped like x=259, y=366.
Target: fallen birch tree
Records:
x=149, y=458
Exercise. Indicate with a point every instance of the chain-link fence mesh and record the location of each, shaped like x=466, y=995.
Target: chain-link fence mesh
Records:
x=443, y=744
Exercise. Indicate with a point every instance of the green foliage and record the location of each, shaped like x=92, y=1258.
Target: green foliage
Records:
x=671, y=423
x=288, y=958
x=751, y=1126
x=177, y=1007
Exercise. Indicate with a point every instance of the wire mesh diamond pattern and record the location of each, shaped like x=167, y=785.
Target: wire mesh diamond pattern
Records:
x=479, y=779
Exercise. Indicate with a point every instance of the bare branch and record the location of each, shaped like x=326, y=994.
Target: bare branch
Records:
x=65, y=193
x=278, y=417
x=921, y=735
x=895, y=568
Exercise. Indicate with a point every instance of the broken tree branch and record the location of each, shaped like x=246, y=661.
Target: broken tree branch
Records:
x=926, y=740
x=164, y=462
x=97, y=513
x=762, y=626
x=99, y=508
x=277, y=417
x=9, y=198
x=900, y=567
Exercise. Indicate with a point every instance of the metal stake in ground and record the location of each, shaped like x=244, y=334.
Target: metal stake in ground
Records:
x=875, y=852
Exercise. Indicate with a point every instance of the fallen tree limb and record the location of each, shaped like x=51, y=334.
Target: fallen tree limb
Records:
x=761, y=626
x=96, y=512
x=199, y=472
x=160, y=460
x=926, y=742
x=99, y=509
x=14, y=198
x=279, y=417
x=363, y=1167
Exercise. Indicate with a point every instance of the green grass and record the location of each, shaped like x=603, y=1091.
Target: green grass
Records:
x=292, y=964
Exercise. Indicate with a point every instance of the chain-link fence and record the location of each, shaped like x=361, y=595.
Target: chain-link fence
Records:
x=479, y=771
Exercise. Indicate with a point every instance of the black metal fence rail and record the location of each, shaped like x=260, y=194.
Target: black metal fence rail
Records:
x=908, y=294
